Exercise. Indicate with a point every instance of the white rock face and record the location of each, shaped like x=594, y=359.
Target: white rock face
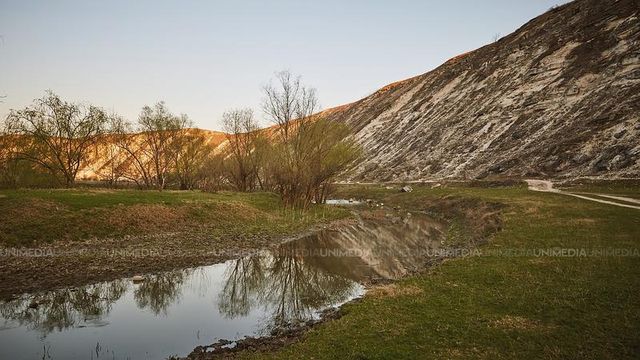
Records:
x=560, y=97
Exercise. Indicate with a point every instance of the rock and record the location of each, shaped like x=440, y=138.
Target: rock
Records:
x=619, y=134
x=137, y=278
x=406, y=189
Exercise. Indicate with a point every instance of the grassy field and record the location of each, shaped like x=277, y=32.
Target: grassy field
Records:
x=495, y=306
x=35, y=217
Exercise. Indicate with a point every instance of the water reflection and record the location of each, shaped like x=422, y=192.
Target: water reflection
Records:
x=159, y=291
x=283, y=284
x=60, y=309
x=248, y=296
x=243, y=279
x=371, y=249
x=320, y=269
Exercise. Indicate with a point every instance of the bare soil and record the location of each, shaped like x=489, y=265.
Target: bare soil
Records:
x=78, y=263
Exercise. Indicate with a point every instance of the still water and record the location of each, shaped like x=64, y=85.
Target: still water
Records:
x=171, y=313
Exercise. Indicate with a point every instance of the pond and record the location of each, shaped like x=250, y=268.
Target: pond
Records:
x=171, y=313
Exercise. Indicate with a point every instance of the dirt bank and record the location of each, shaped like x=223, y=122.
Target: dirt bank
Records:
x=471, y=221
x=47, y=267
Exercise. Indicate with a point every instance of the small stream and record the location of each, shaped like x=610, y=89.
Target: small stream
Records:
x=171, y=313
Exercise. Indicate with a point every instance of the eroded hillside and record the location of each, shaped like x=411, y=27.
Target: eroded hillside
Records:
x=560, y=97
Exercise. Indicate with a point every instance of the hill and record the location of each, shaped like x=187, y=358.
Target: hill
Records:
x=559, y=97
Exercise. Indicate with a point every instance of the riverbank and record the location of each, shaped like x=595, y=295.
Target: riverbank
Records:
x=559, y=281
x=55, y=238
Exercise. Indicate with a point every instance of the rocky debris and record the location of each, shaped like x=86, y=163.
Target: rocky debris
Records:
x=559, y=97
x=279, y=337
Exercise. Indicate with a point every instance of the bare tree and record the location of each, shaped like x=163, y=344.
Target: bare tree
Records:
x=111, y=160
x=6, y=156
x=159, y=144
x=328, y=151
x=212, y=175
x=135, y=164
x=243, y=155
x=288, y=103
x=159, y=129
x=309, y=151
x=190, y=152
x=56, y=135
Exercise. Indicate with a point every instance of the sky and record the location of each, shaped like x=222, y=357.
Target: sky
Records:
x=205, y=57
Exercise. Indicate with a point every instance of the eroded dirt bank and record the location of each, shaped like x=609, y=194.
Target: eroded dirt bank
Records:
x=470, y=223
x=56, y=238
x=25, y=270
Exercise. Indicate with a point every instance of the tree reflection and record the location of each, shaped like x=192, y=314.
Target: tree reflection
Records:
x=288, y=284
x=159, y=291
x=243, y=280
x=284, y=284
x=320, y=270
x=64, y=308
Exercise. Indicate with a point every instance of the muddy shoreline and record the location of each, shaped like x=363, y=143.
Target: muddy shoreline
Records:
x=276, y=339
x=481, y=220
x=224, y=349
x=71, y=264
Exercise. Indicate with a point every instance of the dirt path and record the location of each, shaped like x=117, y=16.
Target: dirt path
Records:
x=621, y=198
x=547, y=186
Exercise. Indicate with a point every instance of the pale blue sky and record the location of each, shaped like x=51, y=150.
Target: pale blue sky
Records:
x=203, y=57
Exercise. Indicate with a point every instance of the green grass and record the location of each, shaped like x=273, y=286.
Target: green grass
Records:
x=498, y=307
x=78, y=199
x=34, y=217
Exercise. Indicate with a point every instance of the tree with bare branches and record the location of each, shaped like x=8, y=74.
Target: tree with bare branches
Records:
x=308, y=151
x=159, y=129
x=243, y=153
x=132, y=160
x=212, y=175
x=55, y=134
x=190, y=153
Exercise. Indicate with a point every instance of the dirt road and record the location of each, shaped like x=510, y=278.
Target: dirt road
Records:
x=547, y=186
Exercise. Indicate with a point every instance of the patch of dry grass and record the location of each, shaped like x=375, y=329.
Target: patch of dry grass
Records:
x=35, y=217
x=514, y=322
x=394, y=290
